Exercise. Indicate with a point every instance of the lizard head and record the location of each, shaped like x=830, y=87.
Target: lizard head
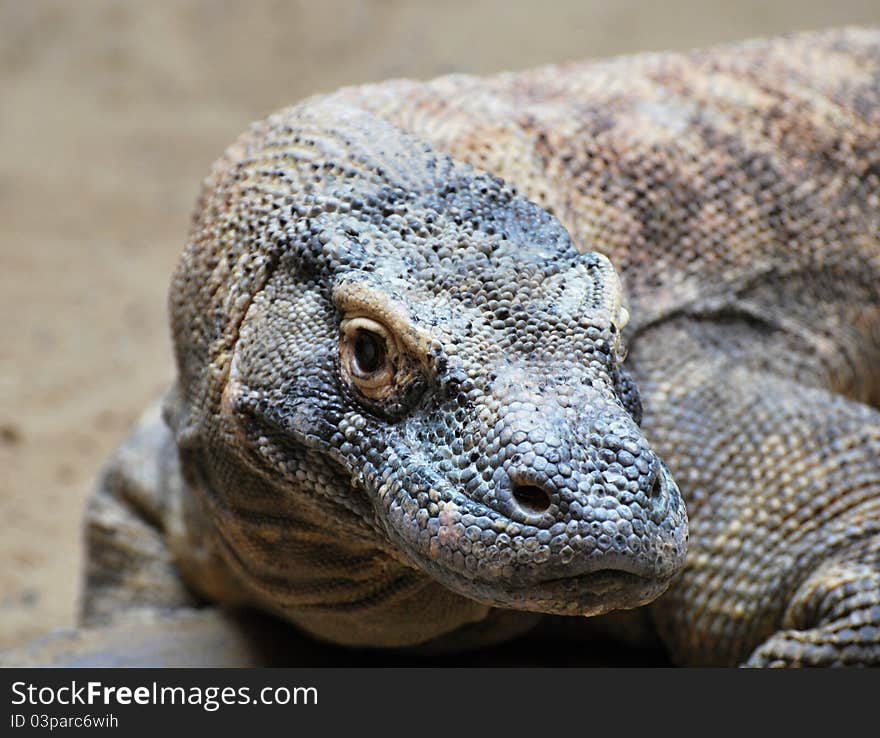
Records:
x=371, y=325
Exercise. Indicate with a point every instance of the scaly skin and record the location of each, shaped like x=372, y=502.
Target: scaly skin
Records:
x=493, y=462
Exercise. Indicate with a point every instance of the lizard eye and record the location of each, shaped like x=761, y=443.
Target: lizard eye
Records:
x=368, y=352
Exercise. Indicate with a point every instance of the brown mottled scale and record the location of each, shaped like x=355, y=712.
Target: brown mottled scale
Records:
x=703, y=176
x=737, y=192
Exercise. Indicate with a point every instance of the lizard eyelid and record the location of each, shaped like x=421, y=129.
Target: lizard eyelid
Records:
x=356, y=299
x=370, y=355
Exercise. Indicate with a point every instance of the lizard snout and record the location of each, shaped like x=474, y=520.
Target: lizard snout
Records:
x=535, y=496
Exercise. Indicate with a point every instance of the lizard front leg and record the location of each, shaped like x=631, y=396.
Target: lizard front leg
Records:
x=833, y=618
x=143, y=541
x=129, y=565
x=782, y=482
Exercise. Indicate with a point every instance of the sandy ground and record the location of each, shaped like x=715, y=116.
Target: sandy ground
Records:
x=111, y=112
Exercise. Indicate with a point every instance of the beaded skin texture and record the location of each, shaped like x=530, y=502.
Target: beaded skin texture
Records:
x=403, y=416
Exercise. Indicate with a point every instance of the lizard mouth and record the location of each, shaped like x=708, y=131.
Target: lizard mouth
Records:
x=598, y=582
x=588, y=594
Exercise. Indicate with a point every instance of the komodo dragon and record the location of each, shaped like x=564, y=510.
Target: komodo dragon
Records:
x=401, y=415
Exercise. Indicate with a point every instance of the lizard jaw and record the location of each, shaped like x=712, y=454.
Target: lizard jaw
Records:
x=591, y=594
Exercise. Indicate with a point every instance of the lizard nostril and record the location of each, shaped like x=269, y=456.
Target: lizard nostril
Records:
x=660, y=493
x=531, y=498
x=656, y=486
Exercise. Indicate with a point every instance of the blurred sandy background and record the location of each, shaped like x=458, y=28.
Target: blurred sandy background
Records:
x=111, y=112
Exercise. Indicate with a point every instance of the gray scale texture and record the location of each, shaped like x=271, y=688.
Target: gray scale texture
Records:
x=714, y=214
